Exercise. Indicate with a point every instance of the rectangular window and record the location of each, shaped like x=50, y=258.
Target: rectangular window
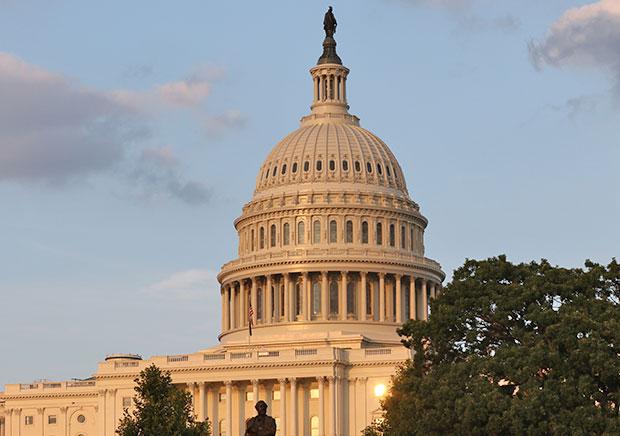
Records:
x=222, y=396
x=28, y=420
x=249, y=396
x=314, y=393
x=126, y=402
x=51, y=419
x=275, y=395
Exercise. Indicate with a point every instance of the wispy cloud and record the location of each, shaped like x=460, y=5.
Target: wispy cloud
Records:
x=229, y=120
x=191, y=284
x=586, y=36
x=53, y=130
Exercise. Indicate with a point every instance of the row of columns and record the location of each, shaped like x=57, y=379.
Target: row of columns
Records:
x=330, y=87
x=238, y=294
x=206, y=394
x=12, y=423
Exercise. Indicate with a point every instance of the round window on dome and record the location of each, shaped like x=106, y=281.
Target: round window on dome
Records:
x=319, y=165
x=332, y=165
x=358, y=166
x=379, y=169
x=294, y=168
x=275, y=171
x=369, y=167
x=306, y=166
x=81, y=419
x=345, y=165
x=283, y=169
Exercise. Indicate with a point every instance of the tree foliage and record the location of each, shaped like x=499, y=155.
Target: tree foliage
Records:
x=160, y=409
x=528, y=349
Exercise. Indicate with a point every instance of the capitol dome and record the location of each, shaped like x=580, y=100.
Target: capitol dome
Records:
x=331, y=246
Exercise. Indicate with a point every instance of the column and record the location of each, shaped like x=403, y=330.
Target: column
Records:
x=100, y=413
x=276, y=300
x=364, y=302
x=229, y=412
x=412, y=300
x=214, y=413
x=243, y=311
x=287, y=297
x=269, y=305
x=305, y=309
x=255, y=390
x=282, y=406
x=381, y=297
x=65, y=421
x=225, y=311
x=112, y=407
x=9, y=423
x=399, y=299
x=321, y=381
x=200, y=404
x=294, y=417
x=254, y=300
x=316, y=87
x=41, y=412
x=343, y=295
x=324, y=295
x=332, y=405
x=424, y=301
x=339, y=404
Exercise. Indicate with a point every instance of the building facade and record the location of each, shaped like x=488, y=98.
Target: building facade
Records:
x=330, y=263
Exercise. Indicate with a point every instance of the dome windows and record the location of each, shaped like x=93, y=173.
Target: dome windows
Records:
x=283, y=169
x=387, y=169
x=332, y=165
x=379, y=169
x=261, y=238
x=272, y=236
x=301, y=229
x=349, y=232
x=306, y=166
x=316, y=232
x=369, y=167
x=345, y=165
x=379, y=234
x=358, y=166
x=275, y=171
x=365, y=232
x=294, y=168
x=319, y=165
x=333, y=231
x=286, y=234
x=392, y=236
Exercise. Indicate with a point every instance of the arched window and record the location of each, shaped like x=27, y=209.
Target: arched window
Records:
x=333, y=231
x=314, y=426
x=333, y=297
x=252, y=239
x=392, y=236
x=379, y=234
x=411, y=237
x=272, y=309
x=349, y=232
x=261, y=238
x=316, y=232
x=298, y=299
x=316, y=298
x=368, y=298
x=286, y=234
x=301, y=232
x=259, y=303
x=222, y=428
x=351, y=297
x=364, y=232
x=403, y=237
x=272, y=238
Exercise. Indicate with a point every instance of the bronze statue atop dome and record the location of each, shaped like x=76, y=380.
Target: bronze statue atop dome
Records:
x=329, y=23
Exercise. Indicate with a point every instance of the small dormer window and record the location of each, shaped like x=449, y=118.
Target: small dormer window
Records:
x=345, y=165
x=387, y=169
x=306, y=166
x=294, y=168
x=275, y=171
x=319, y=165
x=369, y=167
x=283, y=169
x=358, y=166
x=379, y=169
x=332, y=165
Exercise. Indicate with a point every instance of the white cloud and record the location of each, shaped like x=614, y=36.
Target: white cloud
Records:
x=585, y=36
x=192, y=284
x=229, y=120
x=54, y=130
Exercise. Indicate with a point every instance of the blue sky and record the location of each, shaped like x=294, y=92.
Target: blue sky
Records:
x=131, y=134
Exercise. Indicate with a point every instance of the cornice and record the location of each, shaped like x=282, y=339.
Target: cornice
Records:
x=51, y=395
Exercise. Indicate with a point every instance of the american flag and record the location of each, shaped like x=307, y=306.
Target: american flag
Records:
x=250, y=317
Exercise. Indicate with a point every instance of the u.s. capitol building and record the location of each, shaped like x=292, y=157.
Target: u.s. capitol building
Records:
x=330, y=263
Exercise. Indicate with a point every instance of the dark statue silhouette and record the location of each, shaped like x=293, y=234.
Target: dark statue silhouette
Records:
x=261, y=424
x=329, y=23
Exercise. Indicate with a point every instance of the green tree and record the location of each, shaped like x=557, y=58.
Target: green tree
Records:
x=528, y=349
x=160, y=409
